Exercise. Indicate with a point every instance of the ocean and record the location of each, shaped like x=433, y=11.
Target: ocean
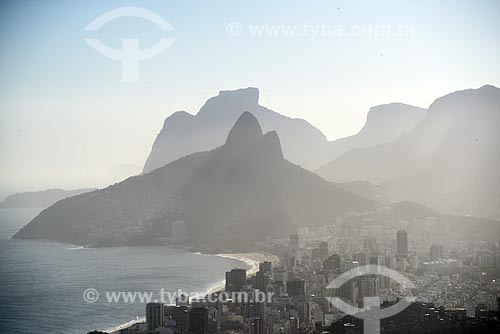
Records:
x=42, y=282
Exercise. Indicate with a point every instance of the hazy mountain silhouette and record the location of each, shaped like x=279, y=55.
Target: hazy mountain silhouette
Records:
x=366, y=190
x=110, y=175
x=449, y=161
x=183, y=133
x=39, y=199
x=383, y=124
x=229, y=197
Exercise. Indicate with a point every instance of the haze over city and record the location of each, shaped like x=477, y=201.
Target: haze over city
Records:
x=227, y=167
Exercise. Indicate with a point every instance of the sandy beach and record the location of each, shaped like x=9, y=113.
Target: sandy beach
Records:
x=251, y=259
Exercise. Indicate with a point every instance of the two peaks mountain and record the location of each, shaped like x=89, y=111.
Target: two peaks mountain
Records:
x=247, y=132
x=302, y=143
x=233, y=195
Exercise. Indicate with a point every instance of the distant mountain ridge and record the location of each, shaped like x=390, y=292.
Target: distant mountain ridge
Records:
x=302, y=143
x=449, y=161
x=383, y=124
x=39, y=199
x=229, y=197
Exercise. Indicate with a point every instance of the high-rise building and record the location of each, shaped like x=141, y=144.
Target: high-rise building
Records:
x=280, y=274
x=294, y=241
x=293, y=324
x=239, y=277
x=498, y=307
x=390, y=262
x=198, y=320
x=229, y=282
x=316, y=253
x=278, y=288
x=236, y=279
x=254, y=310
x=400, y=263
x=182, y=300
x=155, y=315
x=333, y=262
x=258, y=326
x=348, y=291
x=323, y=250
x=360, y=258
x=213, y=326
x=296, y=288
x=377, y=259
x=180, y=315
x=265, y=267
x=260, y=281
x=402, y=243
x=369, y=287
x=370, y=245
x=436, y=252
x=486, y=260
x=348, y=265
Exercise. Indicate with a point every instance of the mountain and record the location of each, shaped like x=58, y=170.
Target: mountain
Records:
x=39, y=199
x=183, y=133
x=366, y=190
x=105, y=177
x=118, y=173
x=229, y=198
x=383, y=124
x=449, y=161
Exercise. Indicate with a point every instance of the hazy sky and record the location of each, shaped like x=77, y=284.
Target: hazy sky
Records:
x=66, y=117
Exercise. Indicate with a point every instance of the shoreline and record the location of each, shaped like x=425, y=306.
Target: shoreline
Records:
x=250, y=259
x=117, y=329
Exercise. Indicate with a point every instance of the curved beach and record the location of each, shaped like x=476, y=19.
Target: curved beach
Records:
x=250, y=259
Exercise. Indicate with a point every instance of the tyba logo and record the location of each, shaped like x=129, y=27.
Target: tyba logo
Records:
x=130, y=55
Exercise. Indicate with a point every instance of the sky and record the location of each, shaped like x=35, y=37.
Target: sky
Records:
x=67, y=118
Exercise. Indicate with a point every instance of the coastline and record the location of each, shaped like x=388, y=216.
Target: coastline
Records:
x=250, y=259
x=116, y=330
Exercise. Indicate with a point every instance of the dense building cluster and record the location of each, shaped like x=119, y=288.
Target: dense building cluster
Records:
x=456, y=283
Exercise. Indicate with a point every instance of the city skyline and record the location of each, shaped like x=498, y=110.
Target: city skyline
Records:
x=265, y=167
